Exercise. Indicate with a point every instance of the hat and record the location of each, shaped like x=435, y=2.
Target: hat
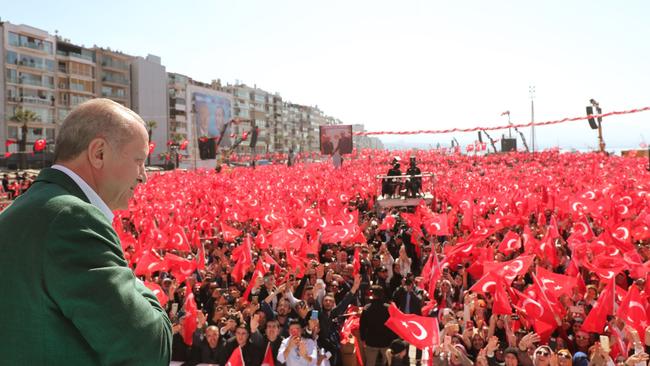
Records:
x=398, y=345
x=580, y=359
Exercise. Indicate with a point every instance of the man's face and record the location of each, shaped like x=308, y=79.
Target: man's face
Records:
x=123, y=169
x=272, y=330
x=511, y=360
x=242, y=336
x=283, y=307
x=212, y=335
x=328, y=303
x=295, y=330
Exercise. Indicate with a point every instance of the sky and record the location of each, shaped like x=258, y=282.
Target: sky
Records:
x=395, y=65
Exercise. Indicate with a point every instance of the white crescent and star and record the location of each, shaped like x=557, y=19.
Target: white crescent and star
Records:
x=487, y=285
x=423, y=332
x=536, y=304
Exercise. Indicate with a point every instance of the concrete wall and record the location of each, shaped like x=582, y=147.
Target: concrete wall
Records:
x=149, y=99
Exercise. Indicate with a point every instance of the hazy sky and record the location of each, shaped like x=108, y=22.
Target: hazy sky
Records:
x=398, y=65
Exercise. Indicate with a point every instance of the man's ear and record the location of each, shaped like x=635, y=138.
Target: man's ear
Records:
x=97, y=150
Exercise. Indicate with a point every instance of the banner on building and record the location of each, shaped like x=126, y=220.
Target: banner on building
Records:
x=211, y=115
x=336, y=138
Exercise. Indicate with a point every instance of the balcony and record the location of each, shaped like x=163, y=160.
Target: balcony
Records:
x=115, y=80
x=75, y=55
x=113, y=95
x=121, y=66
x=32, y=100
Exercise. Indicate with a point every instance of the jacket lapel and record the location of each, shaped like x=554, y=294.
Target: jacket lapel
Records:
x=60, y=178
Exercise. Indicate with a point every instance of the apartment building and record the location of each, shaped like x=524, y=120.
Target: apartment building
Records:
x=76, y=70
x=149, y=99
x=27, y=84
x=113, y=76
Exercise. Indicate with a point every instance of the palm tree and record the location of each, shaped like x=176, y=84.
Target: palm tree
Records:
x=151, y=125
x=24, y=116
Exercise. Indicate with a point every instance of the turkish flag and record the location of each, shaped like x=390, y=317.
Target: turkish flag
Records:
x=177, y=239
x=236, y=358
x=420, y=331
x=288, y=238
x=437, y=225
x=183, y=145
x=268, y=356
x=244, y=259
x=339, y=233
x=583, y=228
x=501, y=303
x=189, y=322
x=39, y=145
x=556, y=284
x=597, y=317
x=229, y=233
x=180, y=268
x=158, y=291
x=356, y=262
x=152, y=147
x=387, y=223
x=511, y=269
x=510, y=243
x=486, y=284
x=633, y=310
x=150, y=262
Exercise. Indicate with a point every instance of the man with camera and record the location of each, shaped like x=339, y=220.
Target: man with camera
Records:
x=297, y=350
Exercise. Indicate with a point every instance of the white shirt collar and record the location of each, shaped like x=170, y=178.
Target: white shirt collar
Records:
x=92, y=196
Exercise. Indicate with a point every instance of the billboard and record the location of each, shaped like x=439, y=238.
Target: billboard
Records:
x=336, y=138
x=211, y=115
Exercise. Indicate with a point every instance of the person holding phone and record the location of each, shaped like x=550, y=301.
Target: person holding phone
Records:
x=298, y=350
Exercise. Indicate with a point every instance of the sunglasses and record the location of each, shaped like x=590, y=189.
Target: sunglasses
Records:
x=542, y=353
x=564, y=355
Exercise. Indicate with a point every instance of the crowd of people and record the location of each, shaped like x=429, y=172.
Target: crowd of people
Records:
x=300, y=311
x=17, y=185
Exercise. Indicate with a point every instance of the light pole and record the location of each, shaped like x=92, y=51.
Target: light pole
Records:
x=596, y=106
x=531, y=91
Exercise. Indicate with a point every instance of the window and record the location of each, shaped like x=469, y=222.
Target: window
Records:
x=14, y=39
x=49, y=134
x=12, y=57
x=20, y=40
x=12, y=76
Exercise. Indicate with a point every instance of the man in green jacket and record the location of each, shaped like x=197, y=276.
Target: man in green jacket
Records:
x=67, y=296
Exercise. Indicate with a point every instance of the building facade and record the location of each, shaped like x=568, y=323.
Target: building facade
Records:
x=149, y=99
x=113, y=76
x=28, y=85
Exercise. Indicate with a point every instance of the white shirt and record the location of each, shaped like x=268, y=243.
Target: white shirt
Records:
x=294, y=358
x=92, y=196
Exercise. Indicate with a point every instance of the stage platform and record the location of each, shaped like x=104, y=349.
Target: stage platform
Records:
x=382, y=202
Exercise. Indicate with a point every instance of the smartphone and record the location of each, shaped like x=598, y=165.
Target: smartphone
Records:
x=469, y=325
x=255, y=299
x=174, y=309
x=604, y=343
x=314, y=314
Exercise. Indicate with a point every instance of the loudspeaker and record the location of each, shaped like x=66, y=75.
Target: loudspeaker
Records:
x=508, y=144
x=254, y=137
x=592, y=122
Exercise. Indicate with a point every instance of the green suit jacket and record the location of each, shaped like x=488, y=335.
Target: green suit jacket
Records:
x=67, y=296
